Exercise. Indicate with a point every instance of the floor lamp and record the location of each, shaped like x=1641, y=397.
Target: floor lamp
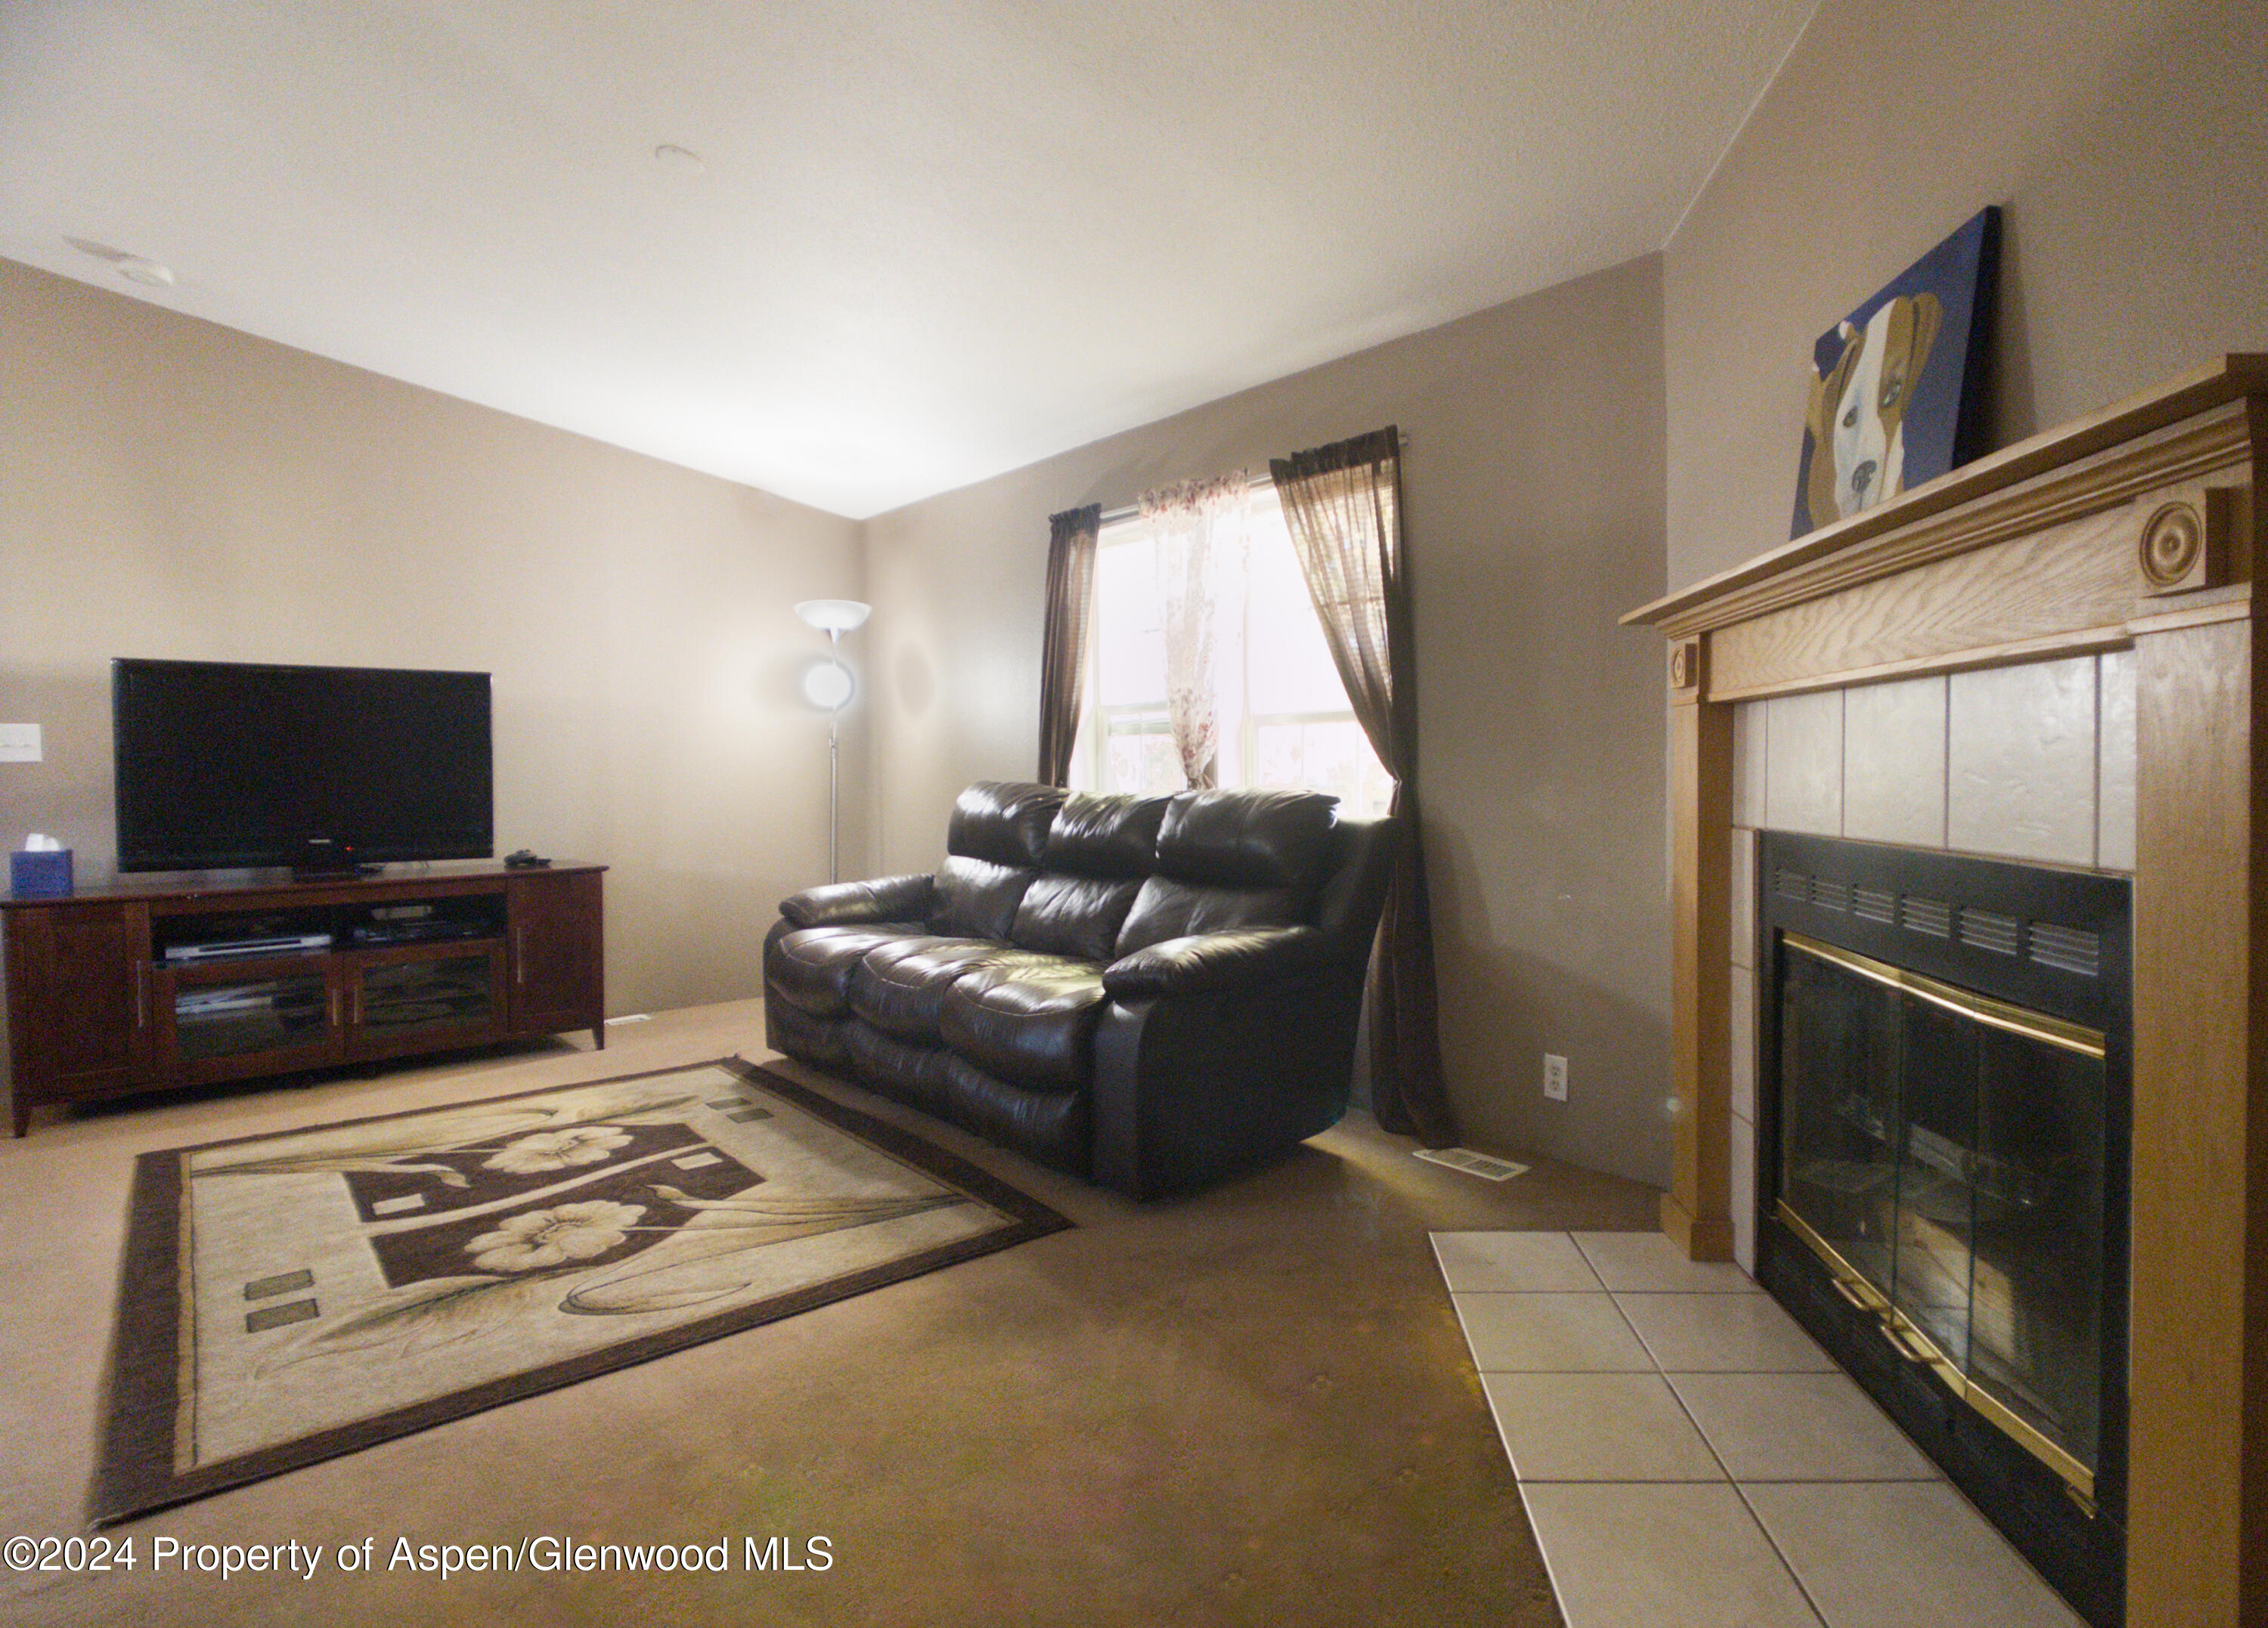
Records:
x=832, y=687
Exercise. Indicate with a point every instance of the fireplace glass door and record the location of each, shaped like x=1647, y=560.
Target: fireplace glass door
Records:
x=1944, y=1154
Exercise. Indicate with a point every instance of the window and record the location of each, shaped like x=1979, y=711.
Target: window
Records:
x=1283, y=715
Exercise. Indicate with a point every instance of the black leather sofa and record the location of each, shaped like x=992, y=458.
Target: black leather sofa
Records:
x=1150, y=991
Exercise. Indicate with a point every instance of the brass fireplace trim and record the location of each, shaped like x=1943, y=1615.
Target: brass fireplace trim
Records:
x=1993, y=1013
x=1907, y=1338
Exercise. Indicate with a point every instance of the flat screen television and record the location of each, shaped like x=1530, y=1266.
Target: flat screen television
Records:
x=225, y=765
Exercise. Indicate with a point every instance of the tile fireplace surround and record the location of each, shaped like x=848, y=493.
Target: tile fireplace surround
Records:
x=2048, y=654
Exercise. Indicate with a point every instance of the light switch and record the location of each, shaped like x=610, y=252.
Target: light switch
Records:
x=19, y=743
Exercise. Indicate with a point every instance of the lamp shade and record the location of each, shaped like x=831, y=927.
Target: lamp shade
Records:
x=827, y=686
x=834, y=615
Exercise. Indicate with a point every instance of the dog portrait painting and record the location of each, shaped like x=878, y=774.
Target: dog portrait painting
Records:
x=1894, y=395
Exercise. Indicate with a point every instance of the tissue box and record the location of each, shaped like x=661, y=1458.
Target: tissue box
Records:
x=46, y=874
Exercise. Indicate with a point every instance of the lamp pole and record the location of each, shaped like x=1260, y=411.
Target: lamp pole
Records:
x=835, y=618
x=835, y=759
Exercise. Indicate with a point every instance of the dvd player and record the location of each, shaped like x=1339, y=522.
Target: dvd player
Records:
x=221, y=950
x=422, y=932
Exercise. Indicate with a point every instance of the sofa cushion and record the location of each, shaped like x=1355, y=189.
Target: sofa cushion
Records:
x=977, y=898
x=1050, y=1126
x=899, y=983
x=900, y=1069
x=1246, y=839
x=811, y=967
x=1004, y=821
x=1166, y=908
x=1114, y=837
x=1030, y=1020
x=1074, y=916
x=791, y=1029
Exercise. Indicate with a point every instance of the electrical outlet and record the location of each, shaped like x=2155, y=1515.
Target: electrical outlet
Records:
x=19, y=743
x=1555, y=1077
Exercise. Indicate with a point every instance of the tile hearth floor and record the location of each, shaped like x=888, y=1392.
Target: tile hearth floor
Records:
x=1689, y=1457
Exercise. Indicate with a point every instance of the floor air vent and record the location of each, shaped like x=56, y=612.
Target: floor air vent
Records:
x=1473, y=1164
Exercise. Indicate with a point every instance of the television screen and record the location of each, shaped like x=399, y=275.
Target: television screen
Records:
x=229, y=764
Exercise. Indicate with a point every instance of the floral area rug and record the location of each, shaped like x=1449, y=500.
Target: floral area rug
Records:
x=289, y=1298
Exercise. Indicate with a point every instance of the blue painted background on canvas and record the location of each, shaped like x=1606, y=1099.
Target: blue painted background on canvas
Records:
x=1940, y=427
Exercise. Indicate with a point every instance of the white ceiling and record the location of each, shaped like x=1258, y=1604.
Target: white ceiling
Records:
x=931, y=241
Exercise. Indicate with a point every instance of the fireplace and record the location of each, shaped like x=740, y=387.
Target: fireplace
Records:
x=1943, y=1178
x=2136, y=531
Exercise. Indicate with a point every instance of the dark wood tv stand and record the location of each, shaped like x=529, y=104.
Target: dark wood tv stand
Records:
x=102, y=1003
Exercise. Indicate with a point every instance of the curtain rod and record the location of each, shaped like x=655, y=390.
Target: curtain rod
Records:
x=1129, y=511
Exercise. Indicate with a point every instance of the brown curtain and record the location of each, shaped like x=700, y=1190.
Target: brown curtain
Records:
x=1063, y=646
x=1342, y=506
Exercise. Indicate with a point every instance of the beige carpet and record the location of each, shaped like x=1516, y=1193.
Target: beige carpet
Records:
x=1253, y=1405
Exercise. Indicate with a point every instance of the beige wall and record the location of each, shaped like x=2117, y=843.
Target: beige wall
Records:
x=1534, y=485
x=169, y=488
x=2127, y=140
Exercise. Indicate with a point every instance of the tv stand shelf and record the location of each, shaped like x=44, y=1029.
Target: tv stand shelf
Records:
x=452, y=956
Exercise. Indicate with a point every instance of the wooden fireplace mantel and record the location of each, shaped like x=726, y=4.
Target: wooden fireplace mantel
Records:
x=2136, y=528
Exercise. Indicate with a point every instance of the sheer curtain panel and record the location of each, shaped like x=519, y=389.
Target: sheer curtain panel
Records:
x=1062, y=643
x=1200, y=530
x=1343, y=507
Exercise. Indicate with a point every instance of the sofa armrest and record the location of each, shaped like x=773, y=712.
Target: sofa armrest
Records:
x=844, y=904
x=1227, y=960
x=1191, y=1086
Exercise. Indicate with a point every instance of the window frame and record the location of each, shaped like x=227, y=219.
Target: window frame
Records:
x=1240, y=737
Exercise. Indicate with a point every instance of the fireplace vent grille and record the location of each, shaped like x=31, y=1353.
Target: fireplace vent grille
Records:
x=2067, y=948
x=1989, y=929
x=1933, y=916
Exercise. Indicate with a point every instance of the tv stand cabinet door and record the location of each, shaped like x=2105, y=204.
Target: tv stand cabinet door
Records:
x=78, y=1002
x=425, y=997
x=558, y=956
x=246, y=1019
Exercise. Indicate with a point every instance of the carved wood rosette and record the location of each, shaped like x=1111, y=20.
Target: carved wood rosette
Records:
x=2187, y=536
